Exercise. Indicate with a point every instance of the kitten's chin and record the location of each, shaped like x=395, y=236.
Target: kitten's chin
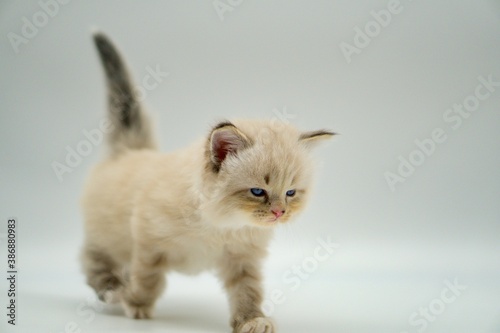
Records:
x=269, y=223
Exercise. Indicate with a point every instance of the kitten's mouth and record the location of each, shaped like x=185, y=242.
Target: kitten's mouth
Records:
x=275, y=219
x=268, y=221
x=271, y=220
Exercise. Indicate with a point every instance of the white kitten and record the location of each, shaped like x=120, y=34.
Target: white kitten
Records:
x=213, y=205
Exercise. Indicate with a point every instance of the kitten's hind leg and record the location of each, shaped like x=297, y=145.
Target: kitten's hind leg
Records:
x=101, y=270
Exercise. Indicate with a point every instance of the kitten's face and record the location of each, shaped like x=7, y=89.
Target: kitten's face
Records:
x=267, y=185
x=267, y=180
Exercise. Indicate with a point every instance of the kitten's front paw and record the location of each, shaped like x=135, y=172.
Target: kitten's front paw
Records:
x=137, y=311
x=256, y=325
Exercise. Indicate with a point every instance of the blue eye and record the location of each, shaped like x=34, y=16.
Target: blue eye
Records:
x=258, y=192
x=290, y=193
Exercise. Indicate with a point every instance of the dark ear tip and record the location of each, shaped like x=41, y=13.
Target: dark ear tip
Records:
x=317, y=134
x=223, y=124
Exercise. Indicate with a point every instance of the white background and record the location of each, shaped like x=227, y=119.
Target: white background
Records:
x=396, y=248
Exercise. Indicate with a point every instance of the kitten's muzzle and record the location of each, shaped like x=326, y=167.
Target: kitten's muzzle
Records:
x=277, y=212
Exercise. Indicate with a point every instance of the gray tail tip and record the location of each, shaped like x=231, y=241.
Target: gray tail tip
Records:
x=104, y=45
x=100, y=38
x=96, y=32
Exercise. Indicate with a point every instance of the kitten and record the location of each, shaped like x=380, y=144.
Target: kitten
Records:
x=213, y=205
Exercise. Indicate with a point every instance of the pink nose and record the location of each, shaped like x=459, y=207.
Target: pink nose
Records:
x=278, y=212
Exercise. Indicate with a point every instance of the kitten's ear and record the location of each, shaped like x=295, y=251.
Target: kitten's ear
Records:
x=314, y=137
x=226, y=139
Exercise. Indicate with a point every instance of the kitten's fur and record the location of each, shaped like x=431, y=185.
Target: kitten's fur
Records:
x=147, y=213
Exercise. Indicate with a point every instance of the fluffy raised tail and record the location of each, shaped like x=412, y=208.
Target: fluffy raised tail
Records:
x=130, y=128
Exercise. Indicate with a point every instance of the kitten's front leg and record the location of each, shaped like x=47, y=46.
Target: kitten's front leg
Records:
x=242, y=279
x=147, y=281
